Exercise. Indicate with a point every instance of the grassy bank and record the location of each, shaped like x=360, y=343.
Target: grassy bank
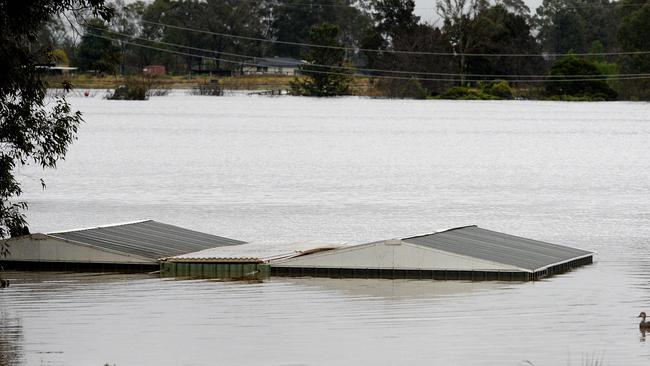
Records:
x=360, y=86
x=245, y=82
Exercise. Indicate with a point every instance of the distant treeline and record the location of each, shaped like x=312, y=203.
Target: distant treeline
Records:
x=472, y=44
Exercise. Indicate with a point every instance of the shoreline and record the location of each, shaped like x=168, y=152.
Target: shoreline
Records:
x=278, y=85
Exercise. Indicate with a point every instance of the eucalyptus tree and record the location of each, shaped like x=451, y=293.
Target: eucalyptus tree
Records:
x=506, y=30
x=573, y=25
x=633, y=36
x=292, y=21
x=392, y=19
x=125, y=27
x=97, y=50
x=217, y=26
x=458, y=16
x=33, y=129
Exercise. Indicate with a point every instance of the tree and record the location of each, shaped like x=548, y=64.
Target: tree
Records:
x=517, y=7
x=457, y=16
x=59, y=57
x=30, y=130
x=213, y=17
x=126, y=25
x=499, y=30
x=294, y=19
x=589, y=84
x=573, y=25
x=97, y=50
x=633, y=36
x=421, y=38
x=393, y=19
x=325, y=75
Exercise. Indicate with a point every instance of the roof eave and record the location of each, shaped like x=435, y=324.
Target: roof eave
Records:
x=590, y=254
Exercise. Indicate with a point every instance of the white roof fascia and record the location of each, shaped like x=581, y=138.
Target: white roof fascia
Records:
x=98, y=227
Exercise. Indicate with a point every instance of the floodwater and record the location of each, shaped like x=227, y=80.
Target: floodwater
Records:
x=286, y=169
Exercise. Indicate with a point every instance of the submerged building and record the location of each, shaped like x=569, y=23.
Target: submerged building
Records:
x=250, y=260
x=132, y=246
x=464, y=253
x=468, y=252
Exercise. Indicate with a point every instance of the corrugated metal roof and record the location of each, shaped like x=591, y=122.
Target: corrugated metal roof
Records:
x=251, y=252
x=149, y=239
x=472, y=241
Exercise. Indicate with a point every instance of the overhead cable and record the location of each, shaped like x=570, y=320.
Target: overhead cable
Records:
x=367, y=70
x=355, y=49
x=245, y=63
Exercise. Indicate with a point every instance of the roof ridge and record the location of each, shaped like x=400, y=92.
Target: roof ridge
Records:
x=440, y=231
x=99, y=227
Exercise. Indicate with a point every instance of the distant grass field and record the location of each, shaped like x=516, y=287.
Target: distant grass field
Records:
x=243, y=82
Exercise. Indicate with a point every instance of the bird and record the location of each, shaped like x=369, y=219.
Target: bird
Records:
x=644, y=324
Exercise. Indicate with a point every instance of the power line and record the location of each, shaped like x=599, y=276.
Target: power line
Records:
x=354, y=49
x=352, y=5
x=640, y=76
x=369, y=70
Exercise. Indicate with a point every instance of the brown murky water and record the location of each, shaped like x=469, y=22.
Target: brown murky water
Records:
x=348, y=169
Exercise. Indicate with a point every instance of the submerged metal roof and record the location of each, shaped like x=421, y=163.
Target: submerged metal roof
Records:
x=252, y=253
x=472, y=241
x=149, y=239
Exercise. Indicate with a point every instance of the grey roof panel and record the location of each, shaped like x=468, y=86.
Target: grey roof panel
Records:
x=498, y=247
x=148, y=239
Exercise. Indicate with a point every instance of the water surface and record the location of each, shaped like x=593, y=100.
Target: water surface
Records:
x=345, y=170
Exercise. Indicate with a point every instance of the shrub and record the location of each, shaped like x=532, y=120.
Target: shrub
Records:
x=208, y=87
x=129, y=92
x=590, y=86
x=494, y=90
x=401, y=88
x=138, y=89
x=466, y=93
x=500, y=89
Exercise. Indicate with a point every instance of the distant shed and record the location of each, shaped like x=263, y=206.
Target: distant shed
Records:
x=272, y=65
x=154, y=70
x=136, y=245
x=467, y=252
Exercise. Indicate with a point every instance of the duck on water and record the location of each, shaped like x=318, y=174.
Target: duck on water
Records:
x=644, y=324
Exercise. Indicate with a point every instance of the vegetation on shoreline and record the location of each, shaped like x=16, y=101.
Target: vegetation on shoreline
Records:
x=325, y=74
x=33, y=129
x=138, y=88
x=359, y=86
x=476, y=42
x=482, y=91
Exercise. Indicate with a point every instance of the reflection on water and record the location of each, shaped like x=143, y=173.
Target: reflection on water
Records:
x=85, y=319
x=345, y=170
x=11, y=338
x=643, y=332
x=396, y=289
